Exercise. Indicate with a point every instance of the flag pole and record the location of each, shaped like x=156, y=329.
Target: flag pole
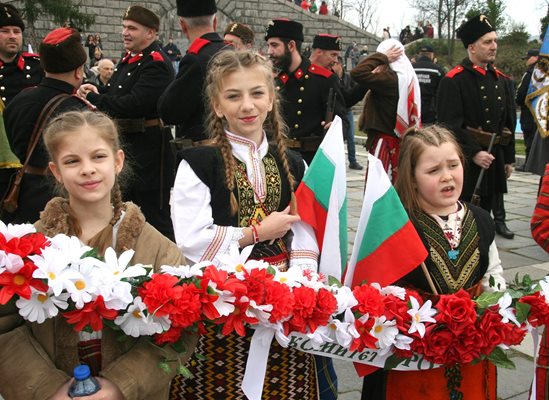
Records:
x=429, y=279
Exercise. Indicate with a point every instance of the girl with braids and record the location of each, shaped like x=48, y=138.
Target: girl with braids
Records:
x=86, y=160
x=462, y=254
x=237, y=192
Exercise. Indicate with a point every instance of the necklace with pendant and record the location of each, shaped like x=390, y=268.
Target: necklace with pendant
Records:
x=450, y=235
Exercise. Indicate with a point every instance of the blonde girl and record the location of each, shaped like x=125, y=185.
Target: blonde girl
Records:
x=238, y=192
x=86, y=161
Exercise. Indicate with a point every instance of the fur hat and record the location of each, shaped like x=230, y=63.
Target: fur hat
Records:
x=196, y=8
x=324, y=41
x=62, y=51
x=284, y=28
x=240, y=30
x=474, y=29
x=142, y=16
x=9, y=16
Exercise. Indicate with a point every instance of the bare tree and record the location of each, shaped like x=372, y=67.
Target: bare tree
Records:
x=367, y=14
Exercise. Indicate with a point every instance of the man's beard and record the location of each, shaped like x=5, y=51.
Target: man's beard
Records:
x=283, y=62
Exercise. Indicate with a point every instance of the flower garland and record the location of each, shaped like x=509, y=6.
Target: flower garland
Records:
x=51, y=276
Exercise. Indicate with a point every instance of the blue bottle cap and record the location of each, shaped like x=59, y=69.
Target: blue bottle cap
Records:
x=81, y=372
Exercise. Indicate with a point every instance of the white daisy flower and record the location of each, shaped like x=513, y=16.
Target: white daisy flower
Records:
x=136, y=322
x=320, y=336
x=396, y=291
x=403, y=342
x=338, y=331
x=18, y=230
x=233, y=262
x=86, y=288
x=54, y=265
x=259, y=311
x=420, y=316
x=118, y=266
x=72, y=248
x=185, y=271
x=292, y=277
x=41, y=306
x=225, y=300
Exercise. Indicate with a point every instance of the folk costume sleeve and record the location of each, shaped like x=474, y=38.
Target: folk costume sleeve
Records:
x=494, y=271
x=195, y=232
x=539, y=223
x=363, y=73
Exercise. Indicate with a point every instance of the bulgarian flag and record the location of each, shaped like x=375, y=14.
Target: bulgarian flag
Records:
x=387, y=246
x=322, y=202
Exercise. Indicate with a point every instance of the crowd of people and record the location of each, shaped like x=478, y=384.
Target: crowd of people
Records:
x=100, y=162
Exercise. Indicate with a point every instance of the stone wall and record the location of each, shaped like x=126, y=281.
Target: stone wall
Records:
x=255, y=13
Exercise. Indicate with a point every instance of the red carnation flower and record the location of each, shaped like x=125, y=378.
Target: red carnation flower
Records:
x=281, y=298
x=305, y=302
x=187, y=307
x=370, y=301
x=326, y=304
x=92, y=314
x=256, y=282
x=160, y=293
x=365, y=339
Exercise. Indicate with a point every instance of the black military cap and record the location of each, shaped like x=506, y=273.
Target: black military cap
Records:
x=9, y=16
x=62, y=51
x=196, y=8
x=531, y=53
x=427, y=48
x=284, y=28
x=242, y=31
x=142, y=16
x=324, y=41
x=474, y=29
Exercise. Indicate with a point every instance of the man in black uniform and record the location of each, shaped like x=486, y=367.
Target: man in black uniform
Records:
x=429, y=75
x=182, y=103
x=131, y=98
x=304, y=88
x=476, y=95
x=527, y=122
x=62, y=57
x=18, y=70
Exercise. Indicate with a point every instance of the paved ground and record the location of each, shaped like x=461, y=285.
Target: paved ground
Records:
x=520, y=255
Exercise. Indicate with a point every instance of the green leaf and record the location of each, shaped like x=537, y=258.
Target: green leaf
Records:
x=182, y=370
x=488, y=299
x=180, y=346
x=164, y=366
x=527, y=281
x=271, y=270
x=522, y=311
x=200, y=356
x=515, y=294
x=333, y=281
x=492, y=281
x=500, y=359
x=392, y=362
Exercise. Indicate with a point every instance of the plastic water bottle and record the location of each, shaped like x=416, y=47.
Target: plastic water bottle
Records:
x=84, y=384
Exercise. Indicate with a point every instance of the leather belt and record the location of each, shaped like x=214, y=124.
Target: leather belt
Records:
x=184, y=143
x=29, y=169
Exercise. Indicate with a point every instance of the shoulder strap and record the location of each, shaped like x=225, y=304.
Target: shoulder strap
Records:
x=43, y=118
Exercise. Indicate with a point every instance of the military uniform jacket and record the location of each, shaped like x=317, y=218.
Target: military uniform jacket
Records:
x=429, y=75
x=470, y=96
x=527, y=121
x=23, y=72
x=304, y=95
x=183, y=103
x=132, y=93
x=22, y=113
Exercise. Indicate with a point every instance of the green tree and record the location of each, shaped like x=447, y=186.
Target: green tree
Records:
x=493, y=9
x=62, y=12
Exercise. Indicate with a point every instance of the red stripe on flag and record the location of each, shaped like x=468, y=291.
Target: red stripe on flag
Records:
x=311, y=211
x=396, y=257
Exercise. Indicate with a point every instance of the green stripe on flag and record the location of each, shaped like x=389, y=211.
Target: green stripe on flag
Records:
x=320, y=177
x=386, y=218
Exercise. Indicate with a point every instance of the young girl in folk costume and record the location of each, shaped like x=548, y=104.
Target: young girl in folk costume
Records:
x=392, y=103
x=238, y=192
x=462, y=255
x=36, y=361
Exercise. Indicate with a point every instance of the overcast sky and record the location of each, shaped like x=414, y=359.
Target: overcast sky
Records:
x=398, y=13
